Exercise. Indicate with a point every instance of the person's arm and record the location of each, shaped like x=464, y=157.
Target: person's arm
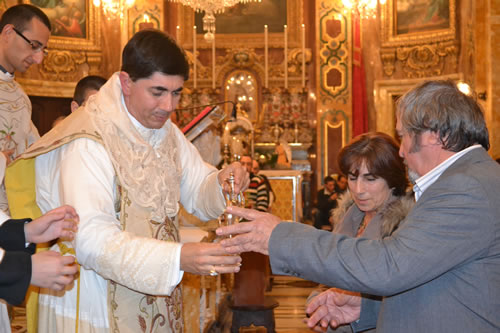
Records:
x=100, y=244
x=424, y=246
x=140, y=263
x=369, y=313
x=15, y=276
x=201, y=193
x=33, y=134
x=12, y=236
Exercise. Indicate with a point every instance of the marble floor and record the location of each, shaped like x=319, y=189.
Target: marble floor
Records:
x=291, y=294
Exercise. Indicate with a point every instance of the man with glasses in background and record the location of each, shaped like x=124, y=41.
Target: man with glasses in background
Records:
x=24, y=33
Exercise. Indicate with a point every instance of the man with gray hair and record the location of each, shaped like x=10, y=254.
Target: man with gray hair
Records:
x=440, y=270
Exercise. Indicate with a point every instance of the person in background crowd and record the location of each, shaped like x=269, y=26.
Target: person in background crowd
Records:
x=255, y=171
x=257, y=194
x=341, y=184
x=327, y=200
x=86, y=87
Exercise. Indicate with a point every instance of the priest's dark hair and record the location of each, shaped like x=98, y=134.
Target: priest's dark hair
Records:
x=150, y=51
x=20, y=15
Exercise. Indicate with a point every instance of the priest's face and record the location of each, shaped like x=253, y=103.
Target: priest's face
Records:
x=152, y=100
x=25, y=48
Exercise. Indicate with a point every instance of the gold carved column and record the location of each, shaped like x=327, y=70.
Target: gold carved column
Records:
x=334, y=101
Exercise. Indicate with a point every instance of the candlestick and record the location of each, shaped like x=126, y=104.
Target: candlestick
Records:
x=213, y=63
x=285, y=30
x=303, y=56
x=266, y=75
x=178, y=33
x=194, y=57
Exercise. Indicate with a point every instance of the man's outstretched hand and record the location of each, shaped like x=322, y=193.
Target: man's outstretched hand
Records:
x=249, y=236
x=333, y=307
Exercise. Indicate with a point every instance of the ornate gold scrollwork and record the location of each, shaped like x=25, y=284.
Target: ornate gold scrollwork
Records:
x=62, y=65
x=426, y=60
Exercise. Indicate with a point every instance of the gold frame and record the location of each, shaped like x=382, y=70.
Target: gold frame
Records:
x=74, y=51
x=391, y=39
x=294, y=21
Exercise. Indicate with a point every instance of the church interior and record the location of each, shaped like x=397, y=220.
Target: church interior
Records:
x=289, y=82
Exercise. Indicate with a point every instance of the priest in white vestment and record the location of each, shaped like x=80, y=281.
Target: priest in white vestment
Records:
x=125, y=168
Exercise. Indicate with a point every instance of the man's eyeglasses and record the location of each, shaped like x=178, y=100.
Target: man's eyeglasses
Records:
x=35, y=45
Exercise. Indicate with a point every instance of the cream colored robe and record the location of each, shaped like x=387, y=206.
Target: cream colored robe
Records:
x=16, y=128
x=155, y=169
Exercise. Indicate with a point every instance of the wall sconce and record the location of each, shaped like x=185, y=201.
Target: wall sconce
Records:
x=466, y=89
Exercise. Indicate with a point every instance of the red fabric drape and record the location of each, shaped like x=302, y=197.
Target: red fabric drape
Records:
x=359, y=102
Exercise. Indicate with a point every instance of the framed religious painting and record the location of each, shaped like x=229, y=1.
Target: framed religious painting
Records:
x=410, y=22
x=74, y=48
x=244, y=24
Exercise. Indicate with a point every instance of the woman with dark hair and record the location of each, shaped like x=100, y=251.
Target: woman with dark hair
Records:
x=372, y=208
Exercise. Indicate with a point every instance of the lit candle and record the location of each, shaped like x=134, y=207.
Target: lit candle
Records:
x=303, y=56
x=213, y=63
x=178, y=33
x=266, y=75
x=285, y=30
x=194, y=57
x=146, y=23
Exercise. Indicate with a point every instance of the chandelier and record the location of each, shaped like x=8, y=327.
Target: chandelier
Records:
x=211, y=7
x=364, y=8
x=114, y=8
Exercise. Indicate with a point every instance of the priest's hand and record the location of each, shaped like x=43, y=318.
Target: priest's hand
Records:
x=333, y=307
x=9, y=153
x=241, y=177
x=51, y=270
x=249, y=236
x=59, y=222
x=208, y=259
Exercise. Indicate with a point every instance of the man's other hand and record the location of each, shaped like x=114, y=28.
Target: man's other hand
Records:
x=52, y=270
x=333, y=307
x=251, y=236
x=59, y=222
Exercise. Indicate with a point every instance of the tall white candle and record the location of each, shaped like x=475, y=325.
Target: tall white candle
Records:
x=194, y=57
x=213, y=63
x=285, y=30
x=177, y=34
x=266, y=64
x=303, y=56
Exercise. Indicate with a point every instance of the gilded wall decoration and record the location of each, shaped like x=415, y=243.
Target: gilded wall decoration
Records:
x=419, y=39
x=74, y=49
x=333, y=134
x=334, y=68
x=334, y=62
